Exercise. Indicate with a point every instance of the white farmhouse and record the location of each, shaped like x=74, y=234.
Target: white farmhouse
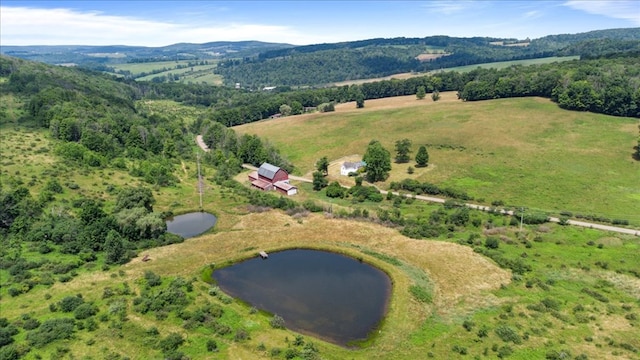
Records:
x=351, y=167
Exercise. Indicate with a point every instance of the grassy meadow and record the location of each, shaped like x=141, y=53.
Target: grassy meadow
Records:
x=493, y=65
x=524, y=151
x=505, y=64
x=191, y=74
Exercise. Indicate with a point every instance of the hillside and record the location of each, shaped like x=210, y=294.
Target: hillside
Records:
x=508, y=150
x=328, y=63
x=94, y=56
x=93, y=165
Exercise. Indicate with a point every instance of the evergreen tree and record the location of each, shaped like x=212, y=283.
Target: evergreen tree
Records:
x=421, y=92
x=403, y=148
x=422, y=157
x=359, y=100
x=435, y=96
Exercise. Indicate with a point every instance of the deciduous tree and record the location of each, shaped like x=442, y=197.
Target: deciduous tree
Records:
x=319, y=181
x=378, y=161
x=322, y=165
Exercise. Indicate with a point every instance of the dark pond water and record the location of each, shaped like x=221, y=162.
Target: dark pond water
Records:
x=327, y=295
x=191, y=224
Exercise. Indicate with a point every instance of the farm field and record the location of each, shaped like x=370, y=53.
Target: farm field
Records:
x=194, y=74
x=493, y=65
x=505, y=64
x=523, y=152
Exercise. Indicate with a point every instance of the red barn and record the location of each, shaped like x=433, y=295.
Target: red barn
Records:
x=270, y=177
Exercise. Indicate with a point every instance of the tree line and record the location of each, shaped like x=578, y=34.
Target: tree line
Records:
x=607, y=86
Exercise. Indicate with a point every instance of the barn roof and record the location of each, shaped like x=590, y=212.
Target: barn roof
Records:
x=267, y=170
x=284, y=186
x=353, y=165
x=264, y=185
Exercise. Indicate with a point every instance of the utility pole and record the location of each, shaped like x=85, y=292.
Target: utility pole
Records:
x=200, y=187
x=521, y=217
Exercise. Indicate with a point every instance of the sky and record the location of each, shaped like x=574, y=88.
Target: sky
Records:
x=159, y=23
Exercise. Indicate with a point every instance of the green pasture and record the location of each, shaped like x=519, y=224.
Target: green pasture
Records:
x=505, y=64
x=138, y=68
x=194, y=74
x=190, y=74
x=523, y=152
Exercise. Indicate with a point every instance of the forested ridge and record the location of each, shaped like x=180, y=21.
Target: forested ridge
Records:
x=326, y=63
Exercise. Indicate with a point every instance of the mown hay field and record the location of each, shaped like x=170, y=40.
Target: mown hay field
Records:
x=524, y=151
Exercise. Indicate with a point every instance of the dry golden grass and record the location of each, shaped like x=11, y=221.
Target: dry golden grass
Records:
x=459, y=274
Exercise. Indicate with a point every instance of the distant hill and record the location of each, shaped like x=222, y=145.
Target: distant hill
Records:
x=255, y=65
x=115, y=54
x=327, y=63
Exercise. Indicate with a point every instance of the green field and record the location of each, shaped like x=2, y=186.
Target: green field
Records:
x=505, y=64
x=524, y=152
x=193, y=74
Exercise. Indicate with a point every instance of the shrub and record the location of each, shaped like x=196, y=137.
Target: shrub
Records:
x=504, y=351
x=241, y=335
x=70, y=303
x=291, y=353
x=468, y=325
x=212, y=345
x=51, y=330
x=596, y=295
x=491, y=242
x=6, y=334
x=558, y=355
x=277, y=322
x=508, y=334
x=459, y=349
x=171, y=342
x=84, y=311
x=31, y=324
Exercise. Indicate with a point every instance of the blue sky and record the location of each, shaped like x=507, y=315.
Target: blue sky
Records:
x=158, y=23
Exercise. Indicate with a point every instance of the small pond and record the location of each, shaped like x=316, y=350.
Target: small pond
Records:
x=190, y=224
x=324, y=294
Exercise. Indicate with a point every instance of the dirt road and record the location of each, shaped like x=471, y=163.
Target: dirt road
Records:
x=585, y=224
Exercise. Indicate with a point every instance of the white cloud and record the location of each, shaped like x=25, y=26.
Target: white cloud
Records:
x=532, y=14
x=34, y=26
x=618, y=9
x=447, y=7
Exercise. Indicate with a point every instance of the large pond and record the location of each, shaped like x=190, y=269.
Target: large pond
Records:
x=327, y=295
x=190, y=224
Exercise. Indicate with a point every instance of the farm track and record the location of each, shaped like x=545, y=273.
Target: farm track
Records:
x=584, y=224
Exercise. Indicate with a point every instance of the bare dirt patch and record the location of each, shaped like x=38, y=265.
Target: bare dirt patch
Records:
x=429, y=57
